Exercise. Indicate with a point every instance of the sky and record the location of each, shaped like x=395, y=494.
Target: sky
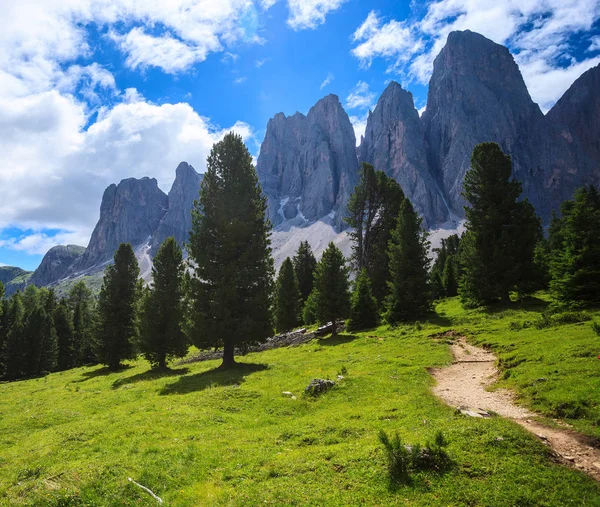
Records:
x=94, y=91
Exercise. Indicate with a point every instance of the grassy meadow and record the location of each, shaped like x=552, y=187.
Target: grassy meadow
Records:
x=200, y=436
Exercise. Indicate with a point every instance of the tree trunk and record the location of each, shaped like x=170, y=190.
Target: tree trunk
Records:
x=228, y=354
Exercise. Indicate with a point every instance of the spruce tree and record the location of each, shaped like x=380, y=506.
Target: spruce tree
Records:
x=162, y=336
x=229, y=246
x=14, y=351
x=304, y=267
x=575, y=249
x=409, y=292
x=63, y=323
x=363, y=306
x=42, y=342
x=450, y=277
x=83, y=310
x=373, y=208
x=117, y=309
x=502, y=232
x=331, y=295
x=287, y=298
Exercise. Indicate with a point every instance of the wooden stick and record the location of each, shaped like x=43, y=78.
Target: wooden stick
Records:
x=157, y=498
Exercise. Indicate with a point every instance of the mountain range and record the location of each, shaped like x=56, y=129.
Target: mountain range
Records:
x=309, y=164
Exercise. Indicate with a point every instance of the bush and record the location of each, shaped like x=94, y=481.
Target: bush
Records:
x=596, y=328
x=557, y=319
x=404, y=459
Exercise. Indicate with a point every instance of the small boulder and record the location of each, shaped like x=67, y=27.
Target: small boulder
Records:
x=318, y=386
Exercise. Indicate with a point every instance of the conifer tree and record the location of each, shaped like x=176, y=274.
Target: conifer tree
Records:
x=14, y=351
x=363, y=306
x=41, y=339
x=502, y=232
x=331, y=295
x=409, y=297
x=304, y=267
x=287, y=298
x=229, y=245
x=83, y=310
x=63, y=323
x=117, y=309
x=373, y=209
x=575, y=250
x=450, y=277
x=162, y=336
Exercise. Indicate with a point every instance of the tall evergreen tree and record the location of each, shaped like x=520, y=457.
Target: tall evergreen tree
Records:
x=373, y=209
x=229, y=245
x=83, y=309
x=63, y=323
x=450, y=277
x=14, y=351
x=448, y=251
x=502, y=232
x=363, y=305
x=162, y=336
x=575, y=249
x=117, y=309
x=331, y=294
x=410, y=296
x=304, y=267
x=42, y=343
x=287, y=298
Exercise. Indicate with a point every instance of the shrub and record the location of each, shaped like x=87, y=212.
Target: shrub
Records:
x=404, y=459
x=596, y=328
x=557, y=319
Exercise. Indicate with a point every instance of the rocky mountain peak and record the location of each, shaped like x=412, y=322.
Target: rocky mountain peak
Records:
x=55, y=264
x=130, y=212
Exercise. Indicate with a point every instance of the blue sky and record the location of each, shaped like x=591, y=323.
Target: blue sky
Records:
x=93, y=91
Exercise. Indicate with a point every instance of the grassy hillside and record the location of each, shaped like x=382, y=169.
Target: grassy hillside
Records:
x=200, y=436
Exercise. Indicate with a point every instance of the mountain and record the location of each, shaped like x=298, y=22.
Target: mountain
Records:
x=177, y=221
x=394, y=142
x=130, y=212
x=307, y=164
x=14, y=279
x=55, y=264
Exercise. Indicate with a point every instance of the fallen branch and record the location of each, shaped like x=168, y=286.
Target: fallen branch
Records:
x=157, y=498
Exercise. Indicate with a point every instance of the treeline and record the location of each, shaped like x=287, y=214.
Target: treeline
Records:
x=226, y=294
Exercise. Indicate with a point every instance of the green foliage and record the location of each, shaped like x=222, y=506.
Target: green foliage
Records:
x=117, y=328
x=287, y=298
x=309, y=312
x=63, y=323
x=404, y=459
x=84, y=321
x=497, y=250
x=14, y=353
x=161, y=333
x=575, y=249
x=445, y=272
x=304, y=267
x=596, y=327
x=373, y=210
x=363, y=306
x=569, y=317
x=229, y=245
x=331, y=294
x=409, y=295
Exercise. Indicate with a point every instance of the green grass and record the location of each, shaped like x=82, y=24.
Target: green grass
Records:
x=201, y=436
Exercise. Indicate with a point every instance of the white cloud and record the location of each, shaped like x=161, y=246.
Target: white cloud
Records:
x=360, y=96
x=260, y=63
x=359, y=123
x=240, y=80
x=310, y=13
x=327, y=80
x=595, y=44
x=537, y=31
x=38, y=243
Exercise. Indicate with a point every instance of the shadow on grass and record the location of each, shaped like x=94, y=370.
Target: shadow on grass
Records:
x=101, y=372
x=438, y=320
x=149, y=375
x=337, y=339
x=213, y=378
x=531, y=303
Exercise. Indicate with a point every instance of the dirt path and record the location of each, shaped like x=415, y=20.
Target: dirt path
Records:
x=463, y=385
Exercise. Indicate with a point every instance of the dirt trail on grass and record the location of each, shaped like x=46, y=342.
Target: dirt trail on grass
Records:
x=463, y=384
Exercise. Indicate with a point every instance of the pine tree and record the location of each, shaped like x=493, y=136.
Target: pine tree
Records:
x=373, y=209
x=83, y=309
x=502, y=232
x=41, y=339
x=162, y=336
x=14, y=351
x=117, y=309
x=363, y=305
x=448, y=250
x=229, y=245
x=304, y=267
x=410, y=296
x=331, y=295
x=575, y=249
x=287, y=298
x=450, y=277
x=63, y=323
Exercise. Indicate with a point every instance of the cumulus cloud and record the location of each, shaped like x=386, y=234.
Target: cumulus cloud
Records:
x=537, y=31
x=360, y=96
x=310, y=13
x=326, y=81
